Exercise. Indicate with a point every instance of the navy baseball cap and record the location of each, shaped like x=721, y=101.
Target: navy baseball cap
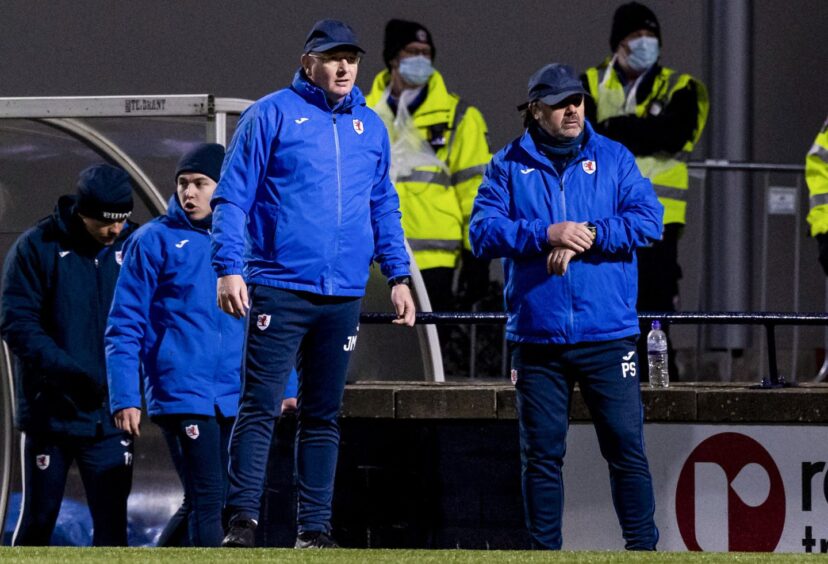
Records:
x=553, y=83
x=326, y=35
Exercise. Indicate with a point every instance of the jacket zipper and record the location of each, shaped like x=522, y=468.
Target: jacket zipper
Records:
x=568, y=274
x=338, y=205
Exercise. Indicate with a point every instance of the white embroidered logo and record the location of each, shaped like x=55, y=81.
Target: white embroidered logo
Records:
x=263, y=321
x=627, y=367
x=62, y=254
x=301, y=120
x=526, y=170
x=358, y=127
x=588, y=166
x=191, y=431
x=180, y=244
x=514, y=376
x=126, y=442
x=127, y=459
x=119, y=257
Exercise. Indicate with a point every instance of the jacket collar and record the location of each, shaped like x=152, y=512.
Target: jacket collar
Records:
x=316, y=96
x=587, y=151
x=177, y=214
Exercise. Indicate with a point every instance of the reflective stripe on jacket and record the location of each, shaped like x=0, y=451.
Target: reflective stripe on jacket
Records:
x=436, y=204
x=305, y=202
x=522, y=194
x=667, y=172
x=816, y=176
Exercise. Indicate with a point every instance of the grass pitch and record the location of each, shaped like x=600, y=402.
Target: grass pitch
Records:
x=351, y=556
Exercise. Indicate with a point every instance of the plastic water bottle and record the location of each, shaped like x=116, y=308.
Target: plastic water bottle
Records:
x=657, y=357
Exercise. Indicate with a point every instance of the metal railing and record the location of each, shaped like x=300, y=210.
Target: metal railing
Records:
x=769, y=320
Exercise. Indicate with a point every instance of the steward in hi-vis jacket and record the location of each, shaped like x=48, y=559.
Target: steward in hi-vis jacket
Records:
x=658, y=114
x=439, y=150
x=816, y=176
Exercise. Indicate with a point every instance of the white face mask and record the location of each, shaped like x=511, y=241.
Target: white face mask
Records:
x=644, y=52
x=416, y=70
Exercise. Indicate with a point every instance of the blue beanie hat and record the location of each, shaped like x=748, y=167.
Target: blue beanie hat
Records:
x=205, y=158
x=104, y=193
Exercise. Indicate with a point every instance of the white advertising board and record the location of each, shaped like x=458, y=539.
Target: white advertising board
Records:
x=717, y=488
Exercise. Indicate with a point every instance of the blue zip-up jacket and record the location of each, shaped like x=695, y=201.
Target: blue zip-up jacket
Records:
x=522, y=194
x=57, y=288
x=165, y=324
x=310, y=185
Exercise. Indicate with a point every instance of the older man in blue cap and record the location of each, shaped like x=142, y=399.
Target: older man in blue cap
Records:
x=303, y=206
x=566, y=208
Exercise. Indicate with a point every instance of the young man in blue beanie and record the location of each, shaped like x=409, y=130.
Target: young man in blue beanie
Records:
x=304, y=205
x=58, y=282
x=164, y=324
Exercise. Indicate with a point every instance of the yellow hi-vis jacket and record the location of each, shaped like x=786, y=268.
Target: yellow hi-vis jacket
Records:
x=667, y=172
x=816, y=176
x=436, y=205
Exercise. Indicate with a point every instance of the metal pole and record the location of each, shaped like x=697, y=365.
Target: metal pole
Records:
x=729, y=219
x=793, y=376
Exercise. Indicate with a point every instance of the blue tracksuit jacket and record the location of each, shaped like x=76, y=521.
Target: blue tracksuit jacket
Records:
x=57, y=288
x=164, y=322
x=522, y=194
x=309, y=185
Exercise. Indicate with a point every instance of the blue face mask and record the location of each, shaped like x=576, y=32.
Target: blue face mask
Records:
x=416, y=70
x=644, y=52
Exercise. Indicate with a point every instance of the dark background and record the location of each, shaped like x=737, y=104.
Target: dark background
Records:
x=485, y=49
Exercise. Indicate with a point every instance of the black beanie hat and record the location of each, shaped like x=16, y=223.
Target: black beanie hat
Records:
x=104, y=193
x=205, y=158
x=399, y=33
x=632, y=17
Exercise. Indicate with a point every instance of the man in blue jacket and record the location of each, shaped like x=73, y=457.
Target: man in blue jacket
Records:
x=303, y=207
x=58, y=282
x=566, y=208
x=164, y=323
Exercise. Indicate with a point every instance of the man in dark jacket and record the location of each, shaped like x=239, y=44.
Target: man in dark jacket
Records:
x=58, y=282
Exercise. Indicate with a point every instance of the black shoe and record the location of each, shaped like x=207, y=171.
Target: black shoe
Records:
x=241, y=534
x=315, y=539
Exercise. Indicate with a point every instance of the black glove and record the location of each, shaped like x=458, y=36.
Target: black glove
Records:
x=822, y=240
x=474, y=280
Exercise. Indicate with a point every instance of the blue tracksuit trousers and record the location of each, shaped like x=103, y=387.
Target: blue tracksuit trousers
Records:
x=105, y=465
x=606, y=375
x=198, y=445
x=318, y=334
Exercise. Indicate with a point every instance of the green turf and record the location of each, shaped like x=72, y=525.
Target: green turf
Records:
x=208, y=556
